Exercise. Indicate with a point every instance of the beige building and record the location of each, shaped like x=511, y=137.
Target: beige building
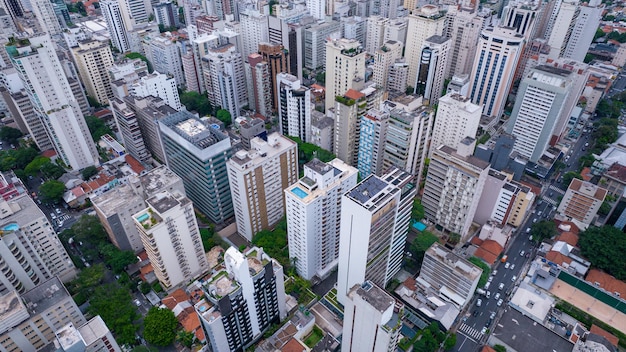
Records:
x=620, y=56
x=93, y=59
x=348, y=111
x=385, y=57
x=257, y=179
x=345, y=68
x=581, y=201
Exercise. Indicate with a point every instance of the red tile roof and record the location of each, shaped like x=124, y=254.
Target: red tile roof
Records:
x=606, y=281
x=492, y=246
x=487, y=349
x=569, y=238
x=134, y=164
x=50, y=153
x=101, y=113
x=354, y=94
x=410, y=283
x=293, y=346
x=558, y=258
x=617, y=171
x=485, y=255
x=175, y=298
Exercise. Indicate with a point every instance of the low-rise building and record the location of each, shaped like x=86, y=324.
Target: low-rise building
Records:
x=581, y=202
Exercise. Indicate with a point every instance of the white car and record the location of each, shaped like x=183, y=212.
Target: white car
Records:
x=479, y=302
x=521, y=253
x=497, y=296
x=483, y=331
x=499, y=303
x=512, y=266
x=488, y=294
x=507, y=265
x=514, y=278
x=501, y=286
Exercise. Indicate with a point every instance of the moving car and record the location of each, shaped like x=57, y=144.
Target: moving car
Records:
x=506, y=266
x=514, y=278
x=479, y=302
x=497, y=296
x=499, y=303
x=501, y=286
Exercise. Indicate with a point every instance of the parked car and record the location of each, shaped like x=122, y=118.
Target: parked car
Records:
x=507, y=265
x=499, y=303
x=479, y=302
x=514, y=278
x=497, y=296
x=512, y=266
x=521, y=253
x=501, y=286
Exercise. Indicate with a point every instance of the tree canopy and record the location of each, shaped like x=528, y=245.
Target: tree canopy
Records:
x=10, y=135
x=197, y=102
x=134, y=55
x=52, y=191
x=274, y=242
x=421, y=243
x=34, y=167
x=604, y=247
x=486, y=270
x=118, y=260
x=543, y=230
x=97, y=128
x=569, y=176
x=88, y=172
x=224, y=116
x=417, y=212
x=160, y=326
x=306, y=152
x=114, y=304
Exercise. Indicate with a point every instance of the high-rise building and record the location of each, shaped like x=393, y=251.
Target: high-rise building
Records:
x=166, y=14
x=452, y=276
x=406, y=140
x=93, y=59
x=375, y=33
x=345, y=65
x=398, y=76
x=456, y=119
x=374, y=225
x=354, y=28
x=348, y=111
x=14, y=8
x=574, y=28
x=371, y=320
x=260, y=85
x=277, y=59
x=372, y=137
x=465, y=31
x=540, y=99
x=322, y=130
x=294, y=107
x=314, y=38
x=384, y=57
x=317, y=8
x=313, y=216
x=503, y=200
x=581, y=201
x=21, y=109
x=50, y=93
x=164, y=55
x=254, y=30
x=44, y=11
x=225, y=79
x=425, y=22
x=169, y=231
x=494, y=67
x=257, y=179
x=197, y=152
x=242, y=300
x=30, y=320
x=128, y=126
x=115, y=24
x=432, y=68
x=522, y=16
x=453, y=187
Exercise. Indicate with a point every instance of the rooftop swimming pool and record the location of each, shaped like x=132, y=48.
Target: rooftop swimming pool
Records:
x=299, y=192
x=143, y=217
x=11, y=227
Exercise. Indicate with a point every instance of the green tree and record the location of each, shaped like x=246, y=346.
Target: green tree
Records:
x=274, y=243
x=34, y=167
x=543, y=230
x=420, y=244
x=88, y=172
x=10, y=135
x=97, y=128
x=133, y=56
x=117, y=259
x=52, y=191
x=599, y=34
x=195, y=101
x=160, y=326
x=185, y=338
x=224, y=116
x=499, y=348
x=604, y=247
x=52, y=171
x=587, y=160
x=569, y=176
x=87, y=280
x=417, y=212
x=409, y=90
x=114, y=304
x=605, y=208
x=449, y=342
x=24, y=156
x=93, y=102
x=307, y=151
x=320, y=78
x=588, y=58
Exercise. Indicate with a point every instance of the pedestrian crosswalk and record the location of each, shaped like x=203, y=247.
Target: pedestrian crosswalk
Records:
x=556, y=189
x=63, y=217
x=550, y=201
x=470, y=332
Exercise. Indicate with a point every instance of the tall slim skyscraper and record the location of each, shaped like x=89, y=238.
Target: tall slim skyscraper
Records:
x=93, y=59
x=313, y=216
x=260, y=85
x=44, y=11
x=453, y=187
x=432, y=68
x=494, y=67
x=372, y=138
x=371, y=321
x=574, y=28
x=540, y=99
x=294, y=107
x=384, y=58
x=345, y=63
x=115, y=24
x=457, y=118
x=225, y=79
x=423, y=24
x=374, y=224
x=50, y=93
x=169, y=231
x=277, y=60
x=165, y=57
x=198, y=152
x=348, y=111
x=254, y=30
x=464, y=33
x=257, y=179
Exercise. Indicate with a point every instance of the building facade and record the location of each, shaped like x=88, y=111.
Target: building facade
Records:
x=581, y=201
x=345, y=63
x=93, y=59
x=294, y=107
x=457, y=118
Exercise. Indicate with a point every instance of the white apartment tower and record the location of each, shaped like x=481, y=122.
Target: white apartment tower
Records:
x=374, y=224
x=115, y=24
x=496, y=58
x=158, y=85
x=52, y=98
x=457, y=118
x=93, y=59
x=345, y=65
x=371, y=320
x=48, y=21
x=465, y=31
x=169, y=232
x=423, y=24
x=317, y=9
x=453, y=187
x=313, y=207
x=225, y=79
x=375, y=33
x=164, y=55
x=254, y=30
x=294, y=107
x=540, y=100
x=257, y=179
x=432, y=68
x=385, y=57
x=573, y=29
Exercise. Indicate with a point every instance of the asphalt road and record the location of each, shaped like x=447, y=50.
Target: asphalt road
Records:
x=470, y=335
